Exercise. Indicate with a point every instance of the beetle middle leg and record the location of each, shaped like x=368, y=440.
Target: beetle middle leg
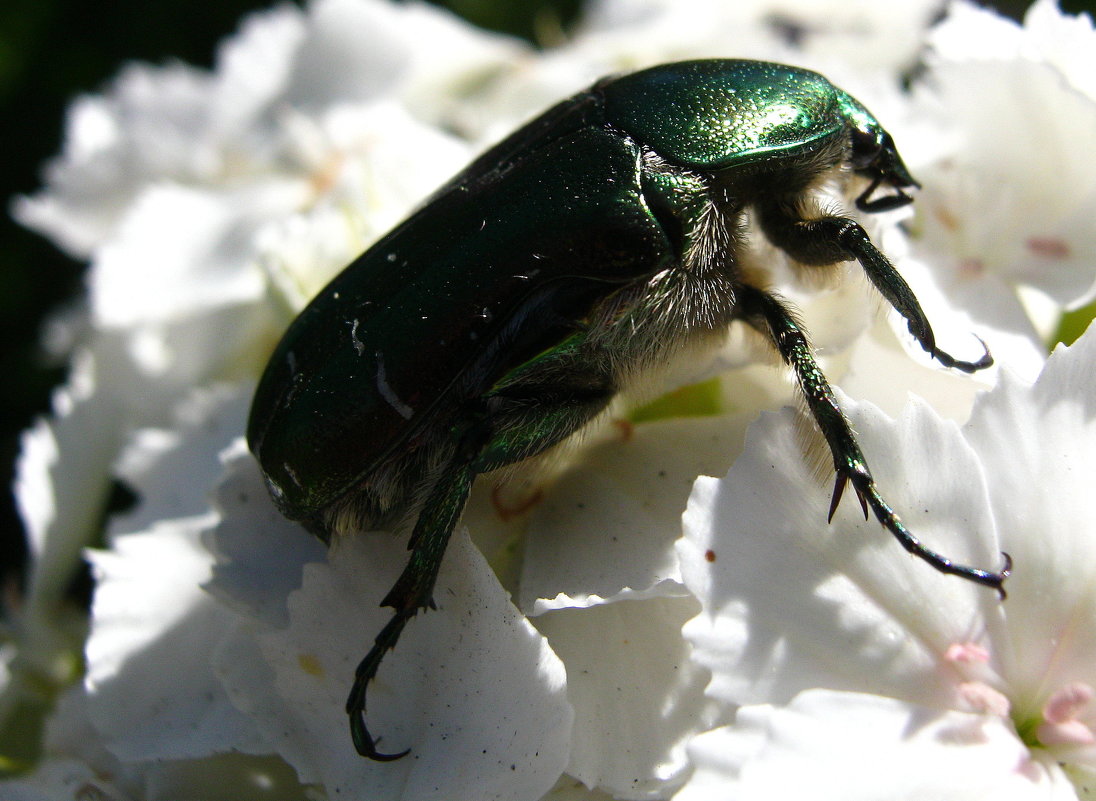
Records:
x=770, y=317
x=533, y=408
x=831, y=239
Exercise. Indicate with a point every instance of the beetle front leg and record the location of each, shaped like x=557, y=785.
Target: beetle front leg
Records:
x=767, y=315
x=829, y=240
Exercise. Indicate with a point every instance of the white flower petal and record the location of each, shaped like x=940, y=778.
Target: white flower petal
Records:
x=148, y=125
x=154, y=458
x=569, y=788
x=607, y=528
x=373, y=164
x=62, y=482
x=71, y=735
x=472, y=689
x=792, y=603
x=846, y=746
x=1017, y=478
x=1064, y=40
x=202, y=245
x=1001, y=321
x=415, y=50
x=970, y=31
x=1037, y=444
x=259, y=554
x=151, y=690
x=152, y=693
x=859, y=32
x=61, y=780
x=636, y=695
x=1007, y=208
x=881, y=371
x=252, y=68
x=1048, y=34
x=78, y=767
x=58, y=497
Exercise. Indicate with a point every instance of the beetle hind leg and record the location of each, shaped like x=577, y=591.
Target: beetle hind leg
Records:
x=767, y=315
x=411, y=592
x=528, y=411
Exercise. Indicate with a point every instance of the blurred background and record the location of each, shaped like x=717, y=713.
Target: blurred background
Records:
x=53, y=50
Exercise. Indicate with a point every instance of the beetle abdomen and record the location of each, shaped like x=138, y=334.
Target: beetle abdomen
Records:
x=377, y=359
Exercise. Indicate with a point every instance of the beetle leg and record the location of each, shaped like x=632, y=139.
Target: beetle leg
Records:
x=767, y=315
x=531, y=409
x=540, y=403
x=411, y=592
x=828, y=240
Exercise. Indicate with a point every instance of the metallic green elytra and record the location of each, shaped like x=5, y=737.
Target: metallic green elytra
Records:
x=600, y=240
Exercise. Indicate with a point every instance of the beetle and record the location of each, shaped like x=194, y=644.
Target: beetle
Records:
x=593, y=244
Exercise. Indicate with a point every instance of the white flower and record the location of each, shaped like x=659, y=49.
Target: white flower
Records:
x=177, y=184
x=840, y=745
x=1002, y=690
x=1006, y=202
x=224, y=639
x=473, y=689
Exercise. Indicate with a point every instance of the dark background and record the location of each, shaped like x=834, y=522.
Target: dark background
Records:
x=52, y=50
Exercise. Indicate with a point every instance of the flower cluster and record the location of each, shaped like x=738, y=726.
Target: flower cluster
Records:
x=671, y=616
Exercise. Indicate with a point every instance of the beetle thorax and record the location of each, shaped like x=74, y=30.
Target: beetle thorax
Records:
x=678, y=309
x=690, y=305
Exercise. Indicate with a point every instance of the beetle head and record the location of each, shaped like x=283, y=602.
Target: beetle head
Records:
x=874, y=156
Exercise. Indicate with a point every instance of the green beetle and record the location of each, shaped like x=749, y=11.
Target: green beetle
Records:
x=594, y=243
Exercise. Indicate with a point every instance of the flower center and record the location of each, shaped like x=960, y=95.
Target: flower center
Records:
x=1069, y=716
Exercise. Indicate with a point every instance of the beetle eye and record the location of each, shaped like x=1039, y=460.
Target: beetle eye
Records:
x=866, y=146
